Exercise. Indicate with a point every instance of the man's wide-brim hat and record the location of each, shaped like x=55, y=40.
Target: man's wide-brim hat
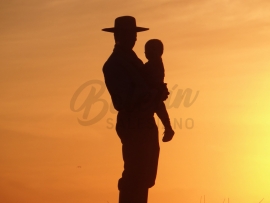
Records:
x=125, y=23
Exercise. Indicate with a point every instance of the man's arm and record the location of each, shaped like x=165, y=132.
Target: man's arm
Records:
x=126, y=93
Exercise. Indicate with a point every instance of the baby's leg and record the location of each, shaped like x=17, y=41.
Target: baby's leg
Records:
x=164, y=117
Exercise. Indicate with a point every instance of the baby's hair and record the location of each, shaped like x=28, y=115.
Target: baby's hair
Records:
x=154, y=45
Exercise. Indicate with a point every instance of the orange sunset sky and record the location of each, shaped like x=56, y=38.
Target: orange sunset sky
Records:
x=218, y=49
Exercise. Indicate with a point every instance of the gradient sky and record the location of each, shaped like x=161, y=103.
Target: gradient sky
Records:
x=218, y=48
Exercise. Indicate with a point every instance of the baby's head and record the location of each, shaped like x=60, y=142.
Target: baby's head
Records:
x=153, y=49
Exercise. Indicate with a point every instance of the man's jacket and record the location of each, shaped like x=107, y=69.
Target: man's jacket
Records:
x=128, y=90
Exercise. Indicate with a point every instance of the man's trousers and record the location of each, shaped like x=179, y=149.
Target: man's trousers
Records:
x=140, y=150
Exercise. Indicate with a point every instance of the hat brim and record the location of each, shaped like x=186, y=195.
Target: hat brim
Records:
x=137, y=29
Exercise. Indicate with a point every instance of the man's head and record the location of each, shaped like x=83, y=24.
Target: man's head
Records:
x=153, y=49
x=126, y=39
x=125, y=31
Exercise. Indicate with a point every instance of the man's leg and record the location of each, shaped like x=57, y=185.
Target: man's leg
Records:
x=140, y=154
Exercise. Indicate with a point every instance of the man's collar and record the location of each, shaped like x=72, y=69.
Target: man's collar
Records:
x=127, y=53
x=120, y=49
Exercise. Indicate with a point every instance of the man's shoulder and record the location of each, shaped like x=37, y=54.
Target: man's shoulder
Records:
x=112, y=62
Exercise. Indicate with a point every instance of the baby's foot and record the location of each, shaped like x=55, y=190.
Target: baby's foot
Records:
x=168, y=135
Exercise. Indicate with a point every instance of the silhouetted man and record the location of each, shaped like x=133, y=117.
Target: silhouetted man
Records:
x=135, y=102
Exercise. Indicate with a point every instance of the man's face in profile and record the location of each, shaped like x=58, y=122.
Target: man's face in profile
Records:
x=126, y=39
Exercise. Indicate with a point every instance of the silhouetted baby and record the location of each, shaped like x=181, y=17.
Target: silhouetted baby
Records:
x=155, y=73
